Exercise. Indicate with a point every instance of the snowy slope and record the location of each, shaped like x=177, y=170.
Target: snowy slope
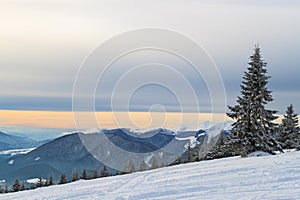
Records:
x=269, y=177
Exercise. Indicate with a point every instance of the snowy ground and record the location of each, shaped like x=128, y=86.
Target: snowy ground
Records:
x=14, y=152
x=269, y=177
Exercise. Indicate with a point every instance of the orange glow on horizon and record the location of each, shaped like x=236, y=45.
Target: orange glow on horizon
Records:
x=55, y=119
x=109, y=120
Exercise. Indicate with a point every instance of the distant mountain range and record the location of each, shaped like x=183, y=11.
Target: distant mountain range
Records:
x=63, y=154
x=8, y=142
x=78, y=151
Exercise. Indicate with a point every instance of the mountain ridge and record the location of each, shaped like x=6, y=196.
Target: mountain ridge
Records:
x=9, y=141
x=69, y=152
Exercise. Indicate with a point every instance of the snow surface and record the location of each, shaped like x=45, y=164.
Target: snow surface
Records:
x=11, y=162
x=37, y=158
x=192, y=143
x=258, y=153
x=14, y=152
x=35, y=180
x=268, y=177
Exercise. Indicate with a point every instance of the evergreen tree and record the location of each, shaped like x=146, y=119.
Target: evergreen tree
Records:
x=104, y=172
x=63, y=179
x=22, y=187
x=143, y=166
x=84, y=175
x=40, y=182
x=201, y=152
x=254, y=127
x=95, y=174
x=162, y=164
x=129, y=167
x=155, y=164
x=5, y=190
x=196, y=152
x=202, y=148
x=211, y=144
x=189, y=152
x=51, y=180
x=223, y=147
x=289, y=131
x=16, y=186
x=32, y=186
x=75, y=175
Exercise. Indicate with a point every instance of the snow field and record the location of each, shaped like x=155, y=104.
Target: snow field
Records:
x=267, y=177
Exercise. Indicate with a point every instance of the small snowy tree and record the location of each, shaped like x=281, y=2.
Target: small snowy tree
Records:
x=5, y=190
x=32, y=186
x=143, y=166
x=211, y=143
x=16, y=186
x=254, y=125
x=154, y=164
x=63, y=179
x=95, y=174
x=40, y=182
x=51, y=180
x=84, y=175
x=75, y=176
x=223, y=147
x=129, y=167
x=189, y=152
x=22, y=187
x=104, y=172
x=289, y=131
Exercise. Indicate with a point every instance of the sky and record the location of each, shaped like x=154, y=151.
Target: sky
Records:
x=45, y=43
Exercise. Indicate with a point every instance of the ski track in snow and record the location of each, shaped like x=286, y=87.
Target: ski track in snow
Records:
x=269, y=177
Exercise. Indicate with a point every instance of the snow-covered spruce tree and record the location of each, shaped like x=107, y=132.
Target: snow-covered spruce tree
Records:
x=51, y=180
x=84, y=175
x=289, y=131
x=104, y=172
x=155, y=163
x=189, y=152
x=16, y=186
x=63, y=179
x=222, y=148
x=95, y=174
x=22, y=188
x=143, y=166
x=129, y=167
x=75, y=176
x=6, y=190
x=254, y=125
x=40, y=182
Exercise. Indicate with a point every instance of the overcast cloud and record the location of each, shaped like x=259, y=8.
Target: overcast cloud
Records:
x=43, y=43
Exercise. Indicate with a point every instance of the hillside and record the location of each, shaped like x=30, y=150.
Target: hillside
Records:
x=268, y=177
x=69, y=152
x=8, y=142
x=62, y=154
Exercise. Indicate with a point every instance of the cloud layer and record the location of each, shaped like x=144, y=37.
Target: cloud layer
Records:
x=44, y=43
